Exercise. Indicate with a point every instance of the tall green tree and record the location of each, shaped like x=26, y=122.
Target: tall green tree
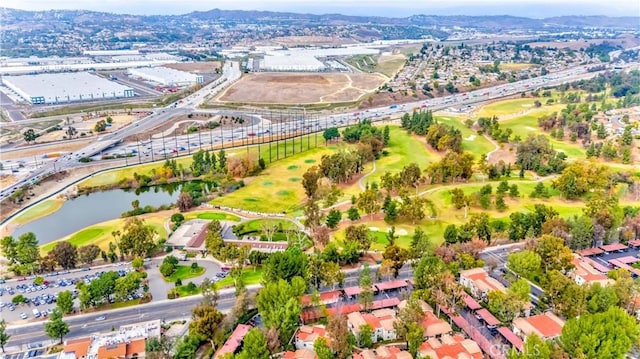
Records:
x=554, y=254
x=310, y=182
x=338, y=331
x=55, y=326
x=279, y=305
x=285, y=265
x=322, y=349
x=137, y=237
x=366, y=283
x=365, y=335
x=65, y=254
x=65, y=302
x=4, y=336
x=420, y=243
x=87, y=254
x=611, y=334
x=254, y=346
x=206, y=321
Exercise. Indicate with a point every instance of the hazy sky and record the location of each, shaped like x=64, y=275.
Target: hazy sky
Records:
x=529, y=8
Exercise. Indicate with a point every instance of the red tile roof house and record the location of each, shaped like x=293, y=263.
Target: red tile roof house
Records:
x=381, y=321
x=450, y=347
x=546, y=326
x=235, y=340
x=433, y=326
x=479, y=283
x=383, y=353
x=307, y=335
x=585, y=273
x=300, y=354
x=325, y=298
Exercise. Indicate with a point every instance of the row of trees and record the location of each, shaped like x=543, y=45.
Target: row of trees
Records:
x=137, y=239
x=439, y=136
x=109, y=287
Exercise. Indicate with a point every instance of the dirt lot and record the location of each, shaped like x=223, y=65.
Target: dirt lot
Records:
x=182, y=122
x=506, y=153
x=301, y=88
x=195, y=67
x=7, y=180
x=26, y=151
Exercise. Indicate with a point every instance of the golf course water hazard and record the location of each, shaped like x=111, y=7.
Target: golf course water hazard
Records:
x=93, y=208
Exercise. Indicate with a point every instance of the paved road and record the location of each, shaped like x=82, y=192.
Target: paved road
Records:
x=85, y=324
x=231, y=72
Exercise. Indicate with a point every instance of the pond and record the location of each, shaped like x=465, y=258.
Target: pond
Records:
x=93, y=208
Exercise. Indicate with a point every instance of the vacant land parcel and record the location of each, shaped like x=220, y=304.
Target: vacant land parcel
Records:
x=301, y=88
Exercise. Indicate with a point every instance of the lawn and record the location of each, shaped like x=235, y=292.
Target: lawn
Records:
x=249, y=276
x=278, y=151
x=100, y=234
x=404, y=233
x=40, y=210
x=507, y=107
x=185, y=291
x=254, y=227
x=185, y=272
x=390, y=67
x=471, y=141
x=113, y=177
x=276, y=189
x=211, y=215
x=403, y=149
x=448, y=214
x=528, y=124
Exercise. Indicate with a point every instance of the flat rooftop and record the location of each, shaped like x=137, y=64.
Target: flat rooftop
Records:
x=187, y=231
x=61, y=85
x=166, y=74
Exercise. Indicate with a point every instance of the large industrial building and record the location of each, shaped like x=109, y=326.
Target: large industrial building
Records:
x=166, y=76
x=291, y=63
x=65, y=87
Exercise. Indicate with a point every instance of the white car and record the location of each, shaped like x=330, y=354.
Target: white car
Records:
x=23, y=315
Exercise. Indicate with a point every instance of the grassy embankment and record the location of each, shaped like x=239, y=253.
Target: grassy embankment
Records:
x=100, y=234
x=41, y=210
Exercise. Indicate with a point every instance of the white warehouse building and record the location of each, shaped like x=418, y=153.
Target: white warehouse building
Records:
x=166, y=76
x=65, y=87
x=287, y=62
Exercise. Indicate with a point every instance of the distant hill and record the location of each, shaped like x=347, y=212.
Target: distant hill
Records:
x=217, y=15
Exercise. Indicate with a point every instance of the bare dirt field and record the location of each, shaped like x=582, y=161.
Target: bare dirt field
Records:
x=7, y=180
x=504, y=153
x=180, y=124
x=118, y=121
x=26, y=151
x=195, y=67
x=301, y=88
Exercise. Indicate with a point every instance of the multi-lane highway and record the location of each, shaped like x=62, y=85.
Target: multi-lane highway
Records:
x=231, y=72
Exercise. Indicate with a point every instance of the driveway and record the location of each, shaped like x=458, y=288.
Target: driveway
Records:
x=158, y=287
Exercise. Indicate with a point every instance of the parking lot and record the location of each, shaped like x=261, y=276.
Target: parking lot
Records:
x=42, y=298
